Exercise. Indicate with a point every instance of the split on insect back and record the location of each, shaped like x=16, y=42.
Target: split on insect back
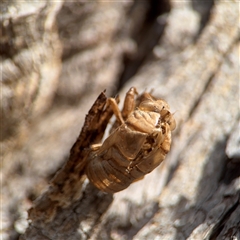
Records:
x=137, y=144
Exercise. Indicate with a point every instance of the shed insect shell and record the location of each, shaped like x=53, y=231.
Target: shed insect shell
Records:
x=135, y=147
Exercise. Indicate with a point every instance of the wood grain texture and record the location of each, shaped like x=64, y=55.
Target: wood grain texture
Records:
x=66, y=195
x=194, y=194
x=30, y=61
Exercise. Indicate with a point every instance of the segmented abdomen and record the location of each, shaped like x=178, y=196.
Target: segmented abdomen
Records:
x=110, y=173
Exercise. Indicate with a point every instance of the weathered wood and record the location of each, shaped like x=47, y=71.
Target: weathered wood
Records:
x=30, y=61
x=200, y=90
x=92, y=52
x=195, y=192
x=58, y=212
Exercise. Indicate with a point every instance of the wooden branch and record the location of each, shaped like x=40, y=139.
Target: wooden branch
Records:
x=195, y=192
x=59, y=211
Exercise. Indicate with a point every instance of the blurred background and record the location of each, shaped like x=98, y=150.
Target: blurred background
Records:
x=56, y=57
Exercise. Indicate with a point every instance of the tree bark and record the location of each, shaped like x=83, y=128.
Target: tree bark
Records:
x=192, y=62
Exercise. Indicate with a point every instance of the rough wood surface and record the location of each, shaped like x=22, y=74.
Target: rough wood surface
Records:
x=193, y=64
x=30, y=61
x=64, y=197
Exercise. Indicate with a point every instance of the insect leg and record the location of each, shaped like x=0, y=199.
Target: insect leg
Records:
x=95, y=147
x=129, y=102
x=166, y=144
x=166, y=116
x=112, y=102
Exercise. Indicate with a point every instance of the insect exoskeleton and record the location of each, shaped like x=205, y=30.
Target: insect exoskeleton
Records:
x=136, y=147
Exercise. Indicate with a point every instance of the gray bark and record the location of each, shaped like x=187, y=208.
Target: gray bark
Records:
x=193, y=64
